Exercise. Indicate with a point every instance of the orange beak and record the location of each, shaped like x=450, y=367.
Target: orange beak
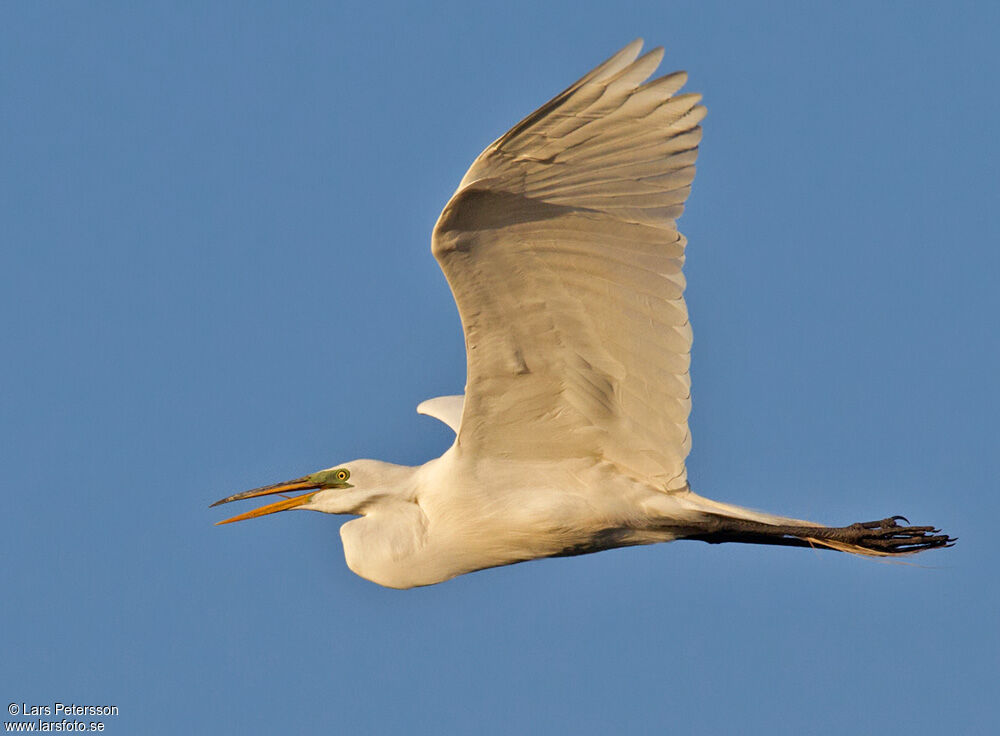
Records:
x=299, y=484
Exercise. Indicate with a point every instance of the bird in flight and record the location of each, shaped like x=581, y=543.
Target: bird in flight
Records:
x=562, y=252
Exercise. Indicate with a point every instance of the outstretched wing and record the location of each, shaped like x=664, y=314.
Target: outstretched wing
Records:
x=562, y=253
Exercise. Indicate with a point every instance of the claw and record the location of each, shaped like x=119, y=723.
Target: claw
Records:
x=888, y=537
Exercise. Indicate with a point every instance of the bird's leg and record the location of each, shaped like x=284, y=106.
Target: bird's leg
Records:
x=885, y=537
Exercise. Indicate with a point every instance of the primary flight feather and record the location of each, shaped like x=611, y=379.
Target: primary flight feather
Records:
x=562, y=251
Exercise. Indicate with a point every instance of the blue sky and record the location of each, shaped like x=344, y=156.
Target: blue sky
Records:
x=215, y=273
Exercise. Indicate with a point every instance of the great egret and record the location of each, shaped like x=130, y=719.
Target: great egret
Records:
x=561, y=250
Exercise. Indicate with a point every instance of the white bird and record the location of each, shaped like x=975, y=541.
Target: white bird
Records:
x=561, y=250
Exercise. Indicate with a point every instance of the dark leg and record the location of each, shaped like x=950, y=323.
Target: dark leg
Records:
x=885, y=537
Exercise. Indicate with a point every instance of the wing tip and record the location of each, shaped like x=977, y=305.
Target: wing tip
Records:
x=618, y=61
x=446, y=409
x=636, y=44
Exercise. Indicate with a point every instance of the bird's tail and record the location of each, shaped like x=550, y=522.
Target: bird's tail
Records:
x=884, y=538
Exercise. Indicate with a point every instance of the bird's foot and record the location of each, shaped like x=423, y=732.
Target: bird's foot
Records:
x=889, y=537
x=880, y=538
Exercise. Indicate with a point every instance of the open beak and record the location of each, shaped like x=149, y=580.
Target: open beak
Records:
x=307, y=483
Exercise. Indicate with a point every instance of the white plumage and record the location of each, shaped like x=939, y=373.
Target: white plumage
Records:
x=561, y=249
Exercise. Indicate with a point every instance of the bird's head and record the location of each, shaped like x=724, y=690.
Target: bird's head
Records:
x=342, y=489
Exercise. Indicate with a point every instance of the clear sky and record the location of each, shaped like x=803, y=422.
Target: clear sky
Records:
x=215, y=273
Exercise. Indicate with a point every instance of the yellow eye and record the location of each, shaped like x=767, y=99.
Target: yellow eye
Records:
x=343, y=474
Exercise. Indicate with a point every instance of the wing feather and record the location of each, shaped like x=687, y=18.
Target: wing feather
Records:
x=561, y=249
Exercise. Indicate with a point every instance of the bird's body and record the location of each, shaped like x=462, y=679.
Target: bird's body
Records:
x=561, y=249
x=456, y=514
